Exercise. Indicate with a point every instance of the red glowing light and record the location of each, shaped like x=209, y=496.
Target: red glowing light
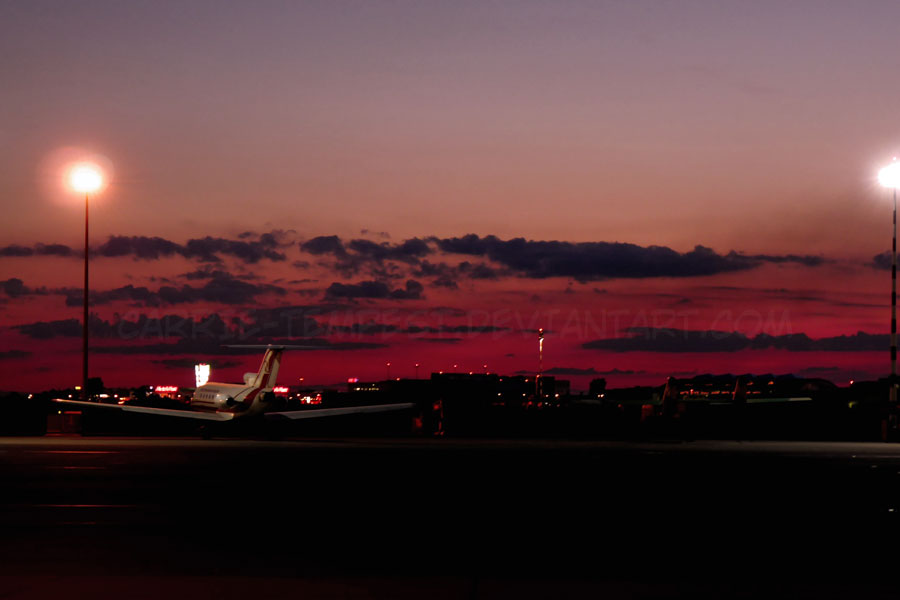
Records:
x=353, y=380
x=281, y=389
x=166, y=389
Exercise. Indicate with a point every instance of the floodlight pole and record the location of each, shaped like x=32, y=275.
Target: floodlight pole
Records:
x=84, y=336
x=894, y=308
x=539, y=382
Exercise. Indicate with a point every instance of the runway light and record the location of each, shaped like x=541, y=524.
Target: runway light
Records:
x=85, y=178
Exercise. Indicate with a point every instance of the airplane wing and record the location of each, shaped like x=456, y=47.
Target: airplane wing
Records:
x=777, y=400
x=333, y=412
x=164, y=412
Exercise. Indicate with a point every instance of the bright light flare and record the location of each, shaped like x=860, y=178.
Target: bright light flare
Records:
x=889, y=176
x=201, y=374
x=85, y=178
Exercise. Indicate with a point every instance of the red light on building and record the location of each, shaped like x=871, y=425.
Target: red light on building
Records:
x=353, y=380
x=166, y=389
x=281, y=389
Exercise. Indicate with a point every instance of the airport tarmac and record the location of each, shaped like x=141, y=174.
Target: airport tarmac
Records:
x=447, y=518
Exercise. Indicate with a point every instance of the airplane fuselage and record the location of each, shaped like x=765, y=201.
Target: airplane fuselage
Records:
x=229, y=397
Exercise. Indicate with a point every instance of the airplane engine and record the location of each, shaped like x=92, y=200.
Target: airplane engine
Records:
x=225, y=400
x=274, y=402
x=249, y=377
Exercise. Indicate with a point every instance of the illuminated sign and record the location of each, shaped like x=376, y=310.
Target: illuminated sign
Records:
x=281, y=389
x=353, y=380
x=166, y=389
x=201, y=374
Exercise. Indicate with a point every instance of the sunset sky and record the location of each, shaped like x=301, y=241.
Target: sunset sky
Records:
x=664, y=187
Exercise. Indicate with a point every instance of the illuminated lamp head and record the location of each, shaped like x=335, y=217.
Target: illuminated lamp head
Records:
x=85, y=178
x=889, y=176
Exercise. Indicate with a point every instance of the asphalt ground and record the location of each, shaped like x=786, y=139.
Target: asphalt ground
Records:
x=447, y=518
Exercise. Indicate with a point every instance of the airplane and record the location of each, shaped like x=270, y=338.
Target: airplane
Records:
x=255, y=398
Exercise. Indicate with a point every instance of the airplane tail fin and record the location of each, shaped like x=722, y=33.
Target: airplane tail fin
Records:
x=740, y=390
x=268, y=370
x=670, y=397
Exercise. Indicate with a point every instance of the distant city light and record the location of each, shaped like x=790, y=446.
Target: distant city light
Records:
x=166, y=389
x=201, y=374
x=281, y=389
x=85, y=178
x=353, y=380
x=317, y=399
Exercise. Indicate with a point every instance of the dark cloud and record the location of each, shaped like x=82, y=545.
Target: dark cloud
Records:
x=15, y=250
x=478, y=271
x=648, y=339
x=364, y=289
x=413, y=291
x=205, y=272
x=383, y=260
x=199, y=348
x=75, y=296
x=441, y=274
x=381, y=234
x=467, y=329
x=448, y=311
x=147, y=248
x=207, y=249
x=209, y=347
x=615, y=371
x=882, y=261
x=586, y=261
x=301, y=321
x=222, y=288
x=44, y=330
x=426, y=268
x=408, y=251
x=376, y=258
x=14, y=354
x=805, y=260
x=324, y=244
x=448, y=276
x=375, y=290
x=140, y=328
x=445, y=282
x=175, y=334
x=14, y=288
x=54, y=250
x=370, y=328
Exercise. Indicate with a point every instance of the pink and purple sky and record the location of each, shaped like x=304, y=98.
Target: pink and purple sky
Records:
x=665, y=187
